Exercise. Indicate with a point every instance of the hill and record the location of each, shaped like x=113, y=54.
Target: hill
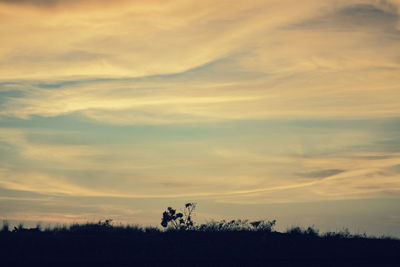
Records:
x=234, y=243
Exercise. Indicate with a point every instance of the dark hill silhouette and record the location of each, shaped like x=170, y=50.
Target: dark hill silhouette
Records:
x=222, y=243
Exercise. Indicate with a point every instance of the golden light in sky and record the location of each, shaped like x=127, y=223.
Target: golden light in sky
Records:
x=251, y=108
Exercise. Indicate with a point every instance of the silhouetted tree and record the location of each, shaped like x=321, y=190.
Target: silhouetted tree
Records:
x=179, y=220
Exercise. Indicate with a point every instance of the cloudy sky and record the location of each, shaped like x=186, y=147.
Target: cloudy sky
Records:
x=270, y=109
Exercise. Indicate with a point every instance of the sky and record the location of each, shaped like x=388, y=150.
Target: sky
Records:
x=261, y=109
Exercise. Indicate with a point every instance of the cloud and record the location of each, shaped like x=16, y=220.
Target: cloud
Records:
x=278, y=163
x=56, y=3
x=185, y=63
x=320, y=174
x=56, y=153
x=34, y=2
x=179, y=63
x=354, y=17
x=159, y=37
x=40, y=183
x=349, y=176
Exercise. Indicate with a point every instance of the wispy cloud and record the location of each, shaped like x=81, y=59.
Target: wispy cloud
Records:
x=336, y=171
x=184, y=64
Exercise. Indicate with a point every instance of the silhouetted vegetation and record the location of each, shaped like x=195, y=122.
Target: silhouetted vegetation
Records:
x=182, y=242
x=179, y=220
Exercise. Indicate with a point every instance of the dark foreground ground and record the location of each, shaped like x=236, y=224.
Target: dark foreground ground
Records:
x=100, y=245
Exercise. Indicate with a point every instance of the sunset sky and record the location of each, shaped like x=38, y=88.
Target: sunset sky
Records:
x=274, y=109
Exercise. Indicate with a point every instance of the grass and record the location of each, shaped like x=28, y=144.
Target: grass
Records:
x=217, y=242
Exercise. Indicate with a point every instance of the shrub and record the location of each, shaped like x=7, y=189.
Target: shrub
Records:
x=179, y=220
x=20, y=228
x=237, y=225
x=6, y=226
x=264, y=225
x=295, y=231
x=311, y=231
x=100, y=226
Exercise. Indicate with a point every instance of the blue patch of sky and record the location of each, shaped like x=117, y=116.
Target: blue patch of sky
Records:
x=6, y=95
x=262, y=135
x=57, y=85
x=8, y=83
x=11, y=158
x=354, y=17
x=77, y=122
